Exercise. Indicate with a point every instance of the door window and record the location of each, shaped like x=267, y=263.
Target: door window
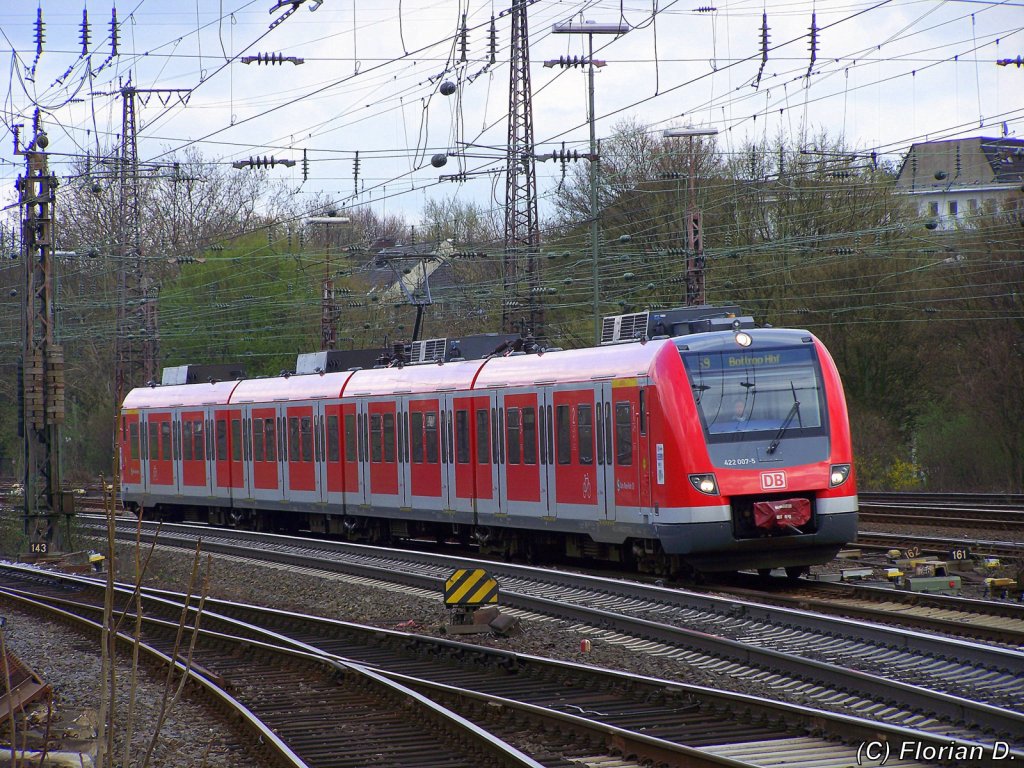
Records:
x=529, y=436
x=564, y=436
x=375, y=438
x=350, y=437
x=389, y=437
x=483, y=454
x=623, y=435
x=462, y=436
x=585, y=433
x=512, y=432
x=333, y=443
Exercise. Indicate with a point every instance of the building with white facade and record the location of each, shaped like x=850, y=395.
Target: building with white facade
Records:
x=951, y=181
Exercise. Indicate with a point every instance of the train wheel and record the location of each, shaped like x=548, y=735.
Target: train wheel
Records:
x=794, y=572
x=764, y=573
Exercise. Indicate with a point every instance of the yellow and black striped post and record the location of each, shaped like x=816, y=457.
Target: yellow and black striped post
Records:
x=470, y=588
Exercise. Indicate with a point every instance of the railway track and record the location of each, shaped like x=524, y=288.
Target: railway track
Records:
x=983, y=620
x=987, y=511
x=565, y=711
x=991, y=500
x=983, y=687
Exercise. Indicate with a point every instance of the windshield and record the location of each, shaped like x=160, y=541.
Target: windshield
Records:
x=766, y=391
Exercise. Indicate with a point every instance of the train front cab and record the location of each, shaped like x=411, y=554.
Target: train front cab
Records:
x=762, y=436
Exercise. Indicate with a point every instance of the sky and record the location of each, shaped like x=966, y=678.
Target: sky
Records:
x=883, y=75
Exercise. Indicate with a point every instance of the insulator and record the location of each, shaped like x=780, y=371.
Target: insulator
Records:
x=40, y=31
x=272, y=58
x=814, y=42
x=463, y=40
x=355, y=173
x=764, y=36
x=85, y=32
x=706, y=9
x=113, y=31
x=305, y=166
x=492, y=43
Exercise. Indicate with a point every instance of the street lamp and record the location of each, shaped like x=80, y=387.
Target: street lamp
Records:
x=591, y=28
x=694, y=222
x=328, y=306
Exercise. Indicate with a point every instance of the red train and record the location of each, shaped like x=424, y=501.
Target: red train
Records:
x=707, y=444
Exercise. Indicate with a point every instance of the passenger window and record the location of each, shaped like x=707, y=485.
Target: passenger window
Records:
x=483, y=454
x=512, y=433
x=133, y=441
x=236, y=439
x=350, y=437
x=154, y=442
x=333, y=446
x=389, y=437
x=564, y=438
x=623, y=435
x=186, y=441
x=462, y=436
x=529, y=436
x=585, y=433
x=430, y=420
x=375, y=437
x=270, y=432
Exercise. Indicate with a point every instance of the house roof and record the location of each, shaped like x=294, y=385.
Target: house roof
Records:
x=962, y=163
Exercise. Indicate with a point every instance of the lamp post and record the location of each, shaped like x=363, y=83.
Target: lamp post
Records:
x=591, y=28
x=694, y=221
x=328, y=306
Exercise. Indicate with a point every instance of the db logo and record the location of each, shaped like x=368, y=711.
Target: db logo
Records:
x=773, y=481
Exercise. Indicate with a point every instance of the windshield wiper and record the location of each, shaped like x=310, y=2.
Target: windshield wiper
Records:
x=793, y=411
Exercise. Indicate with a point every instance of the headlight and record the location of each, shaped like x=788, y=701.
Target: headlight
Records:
x=705, y=484
x=743, y=339
x=838, y=474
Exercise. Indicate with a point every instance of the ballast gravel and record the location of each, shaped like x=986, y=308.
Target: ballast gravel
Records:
x=191, y=736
